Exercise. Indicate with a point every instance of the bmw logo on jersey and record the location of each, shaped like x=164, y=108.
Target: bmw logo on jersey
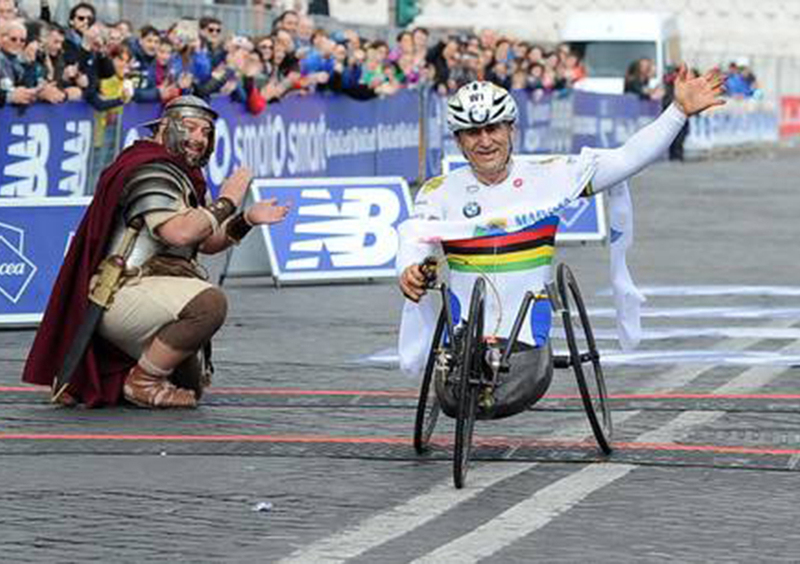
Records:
x=472, y=209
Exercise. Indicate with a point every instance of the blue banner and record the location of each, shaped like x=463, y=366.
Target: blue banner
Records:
x=45, y=150
x=34, y=237
x=50, y=150
x=605, y=120
x=337, y=228
x=309, y=136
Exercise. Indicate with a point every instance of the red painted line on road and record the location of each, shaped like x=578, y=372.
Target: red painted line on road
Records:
x=36, y=389
x=328, y=439
x=247, y=391
x=412, y=393
x=203, y=438
x=299, y=392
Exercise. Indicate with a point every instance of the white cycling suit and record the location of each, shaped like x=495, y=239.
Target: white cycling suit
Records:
x=505, y=232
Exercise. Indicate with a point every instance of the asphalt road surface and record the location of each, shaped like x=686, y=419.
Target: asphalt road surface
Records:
x=302, y=450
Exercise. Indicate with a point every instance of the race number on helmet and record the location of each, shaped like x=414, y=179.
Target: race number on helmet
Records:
x=479, y=104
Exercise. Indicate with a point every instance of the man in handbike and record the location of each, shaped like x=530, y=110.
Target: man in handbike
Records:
x=497, y=218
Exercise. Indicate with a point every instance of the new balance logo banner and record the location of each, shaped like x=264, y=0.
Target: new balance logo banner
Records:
x=338, y=227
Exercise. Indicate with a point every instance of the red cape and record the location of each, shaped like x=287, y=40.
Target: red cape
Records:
x=101, y=372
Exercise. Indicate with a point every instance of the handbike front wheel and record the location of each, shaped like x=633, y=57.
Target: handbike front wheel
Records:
x=428, y=407
x=469, y=383
x=585, y=358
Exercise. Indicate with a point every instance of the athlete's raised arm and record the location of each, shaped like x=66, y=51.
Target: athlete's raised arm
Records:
x=693, y=94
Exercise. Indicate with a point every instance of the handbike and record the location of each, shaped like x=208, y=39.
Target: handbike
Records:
x=470, y=368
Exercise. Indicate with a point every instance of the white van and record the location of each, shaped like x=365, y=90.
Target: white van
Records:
x=610, y=41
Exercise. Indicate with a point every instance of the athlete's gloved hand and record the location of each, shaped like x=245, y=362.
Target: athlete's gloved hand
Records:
x=413, y=283
x=417, y=278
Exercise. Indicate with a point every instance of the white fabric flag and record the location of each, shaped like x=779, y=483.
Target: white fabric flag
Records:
x=627, y=297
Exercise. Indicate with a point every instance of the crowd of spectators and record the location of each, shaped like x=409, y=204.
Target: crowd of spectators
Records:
x=109, y=64
x=740, y=81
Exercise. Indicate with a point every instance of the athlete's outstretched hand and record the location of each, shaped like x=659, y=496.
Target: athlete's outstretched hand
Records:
x=693, y=94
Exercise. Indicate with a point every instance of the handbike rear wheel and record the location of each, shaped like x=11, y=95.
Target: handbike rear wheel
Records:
x=583, y=350
x=428, y=407
x=471, y=366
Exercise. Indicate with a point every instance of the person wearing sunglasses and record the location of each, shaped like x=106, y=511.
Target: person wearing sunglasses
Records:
x=211, y=39
x=81, y=17
x=13, y=36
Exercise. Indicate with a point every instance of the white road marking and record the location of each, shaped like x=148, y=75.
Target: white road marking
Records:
x=679, y=428
x=697, y=357
x=743, y=312
x=682, y=426
x=661, y=334
x=730, y=356
x=682, y=375
x=527, y=516
x=715, y=290
x=417, y=511
x=407, y=516
x=554, y=500
x=547, y=504
x=581, y=432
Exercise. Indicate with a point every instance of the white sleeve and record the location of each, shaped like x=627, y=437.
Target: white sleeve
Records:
x=412, y=251
x=645, y=147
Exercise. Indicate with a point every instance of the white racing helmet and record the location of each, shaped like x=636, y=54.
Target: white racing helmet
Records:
x=479, y=104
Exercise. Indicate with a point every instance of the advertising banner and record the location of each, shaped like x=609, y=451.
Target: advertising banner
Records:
x=790, y=116
x=307, y=136
x=606, y=120
x=34, y=237
x=583, y=220
x=343, y=228
x=45, y=150
x=738, y=122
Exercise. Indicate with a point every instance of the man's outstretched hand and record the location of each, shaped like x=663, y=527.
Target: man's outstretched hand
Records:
x=693, y=94
x=267, y=212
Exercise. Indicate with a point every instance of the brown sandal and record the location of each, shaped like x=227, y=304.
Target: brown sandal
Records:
x=146, y=390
